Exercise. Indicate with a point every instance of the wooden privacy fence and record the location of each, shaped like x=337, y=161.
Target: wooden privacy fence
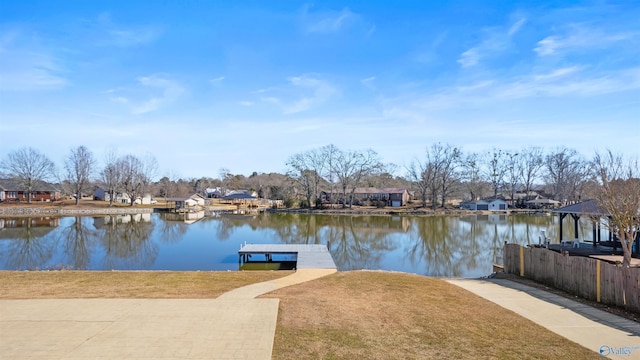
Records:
x=588, y=278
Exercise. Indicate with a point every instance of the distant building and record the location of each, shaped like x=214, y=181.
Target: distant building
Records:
x=11, y=190
x=123, y=198
x=394, y=197
x=193, y=202
x=491, y=204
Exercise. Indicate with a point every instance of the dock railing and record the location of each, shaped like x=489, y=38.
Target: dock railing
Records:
x=589, y=278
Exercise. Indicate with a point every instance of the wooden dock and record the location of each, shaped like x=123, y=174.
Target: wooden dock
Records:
x=307, y=256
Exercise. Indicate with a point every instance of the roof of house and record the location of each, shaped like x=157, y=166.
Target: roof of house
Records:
x=14, y=185
x=373, y=190
x=239, y=196
x=185, y=198
x=485, y=200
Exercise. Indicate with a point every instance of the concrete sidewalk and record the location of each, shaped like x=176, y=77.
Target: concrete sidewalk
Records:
x=600, y=331
x=233, y=326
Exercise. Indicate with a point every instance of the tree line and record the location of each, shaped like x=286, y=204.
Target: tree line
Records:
x=442, y=173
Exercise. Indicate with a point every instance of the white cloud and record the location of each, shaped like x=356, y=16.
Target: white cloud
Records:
x=573, y=83
x=496, y=40
x=216, y=81
x=327, y=22
x=152, y=93
x=26, y=65
x=557, y=73
x=516, y=27
x=126, y=35
x=579, y=36
x=470, y=57
x=303, y=93
x=369, y=82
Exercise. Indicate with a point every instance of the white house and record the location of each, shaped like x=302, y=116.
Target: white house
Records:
x=191, y=202
x=102, y=194
x=485, y=204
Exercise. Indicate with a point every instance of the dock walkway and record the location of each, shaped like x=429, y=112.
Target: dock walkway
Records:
x=308, y=256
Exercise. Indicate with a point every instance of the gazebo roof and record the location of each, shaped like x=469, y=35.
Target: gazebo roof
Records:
x=587, y=207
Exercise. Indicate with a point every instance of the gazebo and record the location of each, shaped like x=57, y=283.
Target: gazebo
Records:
x=590, y=208
x=584, y=208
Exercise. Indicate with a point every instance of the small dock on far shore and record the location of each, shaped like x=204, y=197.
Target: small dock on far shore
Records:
x=307, y=256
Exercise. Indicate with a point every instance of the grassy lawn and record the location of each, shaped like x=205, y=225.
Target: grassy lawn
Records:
x=381, y=315
x=348, y=315
x=126, y=284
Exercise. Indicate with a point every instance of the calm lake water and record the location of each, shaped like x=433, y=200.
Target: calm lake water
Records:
x=459, y=246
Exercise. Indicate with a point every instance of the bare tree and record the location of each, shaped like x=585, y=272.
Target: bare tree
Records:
x=111, y=175
x=148, y=172
x=329, y=154
x=448, y=169
x=132, y=180
x=471, y=174
x=495, y=169
x=619, y=195
x=306, y=169
x=565, y=173
x=224, y=174
x=29, y=167
x=421, y=175
x=137, y=175
x=512, y=165
x=530, y=167
x=350, y=167
x=79, y=166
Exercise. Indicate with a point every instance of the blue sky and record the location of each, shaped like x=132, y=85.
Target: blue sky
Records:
x=203, y=85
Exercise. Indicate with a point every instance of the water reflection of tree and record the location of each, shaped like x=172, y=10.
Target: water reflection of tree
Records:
x=228, y=223
x=358, y=242
x=449, y=246
x=298, y=229
x=78, y=239
x=127, y=242
x=30, y=248
x=446, y=247
x=172, y=231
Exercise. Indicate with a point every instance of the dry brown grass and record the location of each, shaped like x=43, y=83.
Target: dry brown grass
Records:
x=125, y=284
x=381, y=315
x=348, y=315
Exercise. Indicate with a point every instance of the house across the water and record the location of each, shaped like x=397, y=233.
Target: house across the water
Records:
x=395, y=197
x=12, y=190
x=490, y=204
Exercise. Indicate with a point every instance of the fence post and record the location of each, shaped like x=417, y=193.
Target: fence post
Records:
x=521, y=260
x=598, y=280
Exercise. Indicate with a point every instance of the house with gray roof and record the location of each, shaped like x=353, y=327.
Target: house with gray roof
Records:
x=12, y=190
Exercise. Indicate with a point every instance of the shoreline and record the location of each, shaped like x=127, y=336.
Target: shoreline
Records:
x=84, y=209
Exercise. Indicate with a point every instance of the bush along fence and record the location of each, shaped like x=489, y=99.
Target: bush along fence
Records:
x=589, y=278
